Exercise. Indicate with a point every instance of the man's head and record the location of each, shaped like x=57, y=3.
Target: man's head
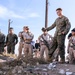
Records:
x=11, y=30
x=73, y=31
x=59, y=12
x=70, y=35
x=26, y=29
x=44, y=30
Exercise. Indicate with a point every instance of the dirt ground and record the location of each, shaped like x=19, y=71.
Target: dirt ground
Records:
x=43, y=68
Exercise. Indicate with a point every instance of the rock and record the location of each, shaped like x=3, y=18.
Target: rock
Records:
x=13, y=71
x=44, y=69
x=37, y=69
x=6, y=68
x=69, y=73
x=2, y=65
x=74, y=73
x=17, y=69
x=51, y=66
x=1, y=72
x=61, y=72
x=67, y=70
x=4, y=73
x=20, y=69
x=24, y=64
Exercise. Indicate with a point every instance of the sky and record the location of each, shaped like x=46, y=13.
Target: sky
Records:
x=32, y=13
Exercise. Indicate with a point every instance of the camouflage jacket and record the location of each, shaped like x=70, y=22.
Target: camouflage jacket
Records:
x=2, y=38
x=72, y=42
x=62, y=25
x=27, y=36
x=21, y=36
x=47, y=37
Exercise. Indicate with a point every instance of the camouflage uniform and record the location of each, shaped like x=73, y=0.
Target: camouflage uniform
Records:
x=71, y=48
x=21, y=44
x=62, y=24
x=2, y=41
x=11, y=41
x=43, y=47
x=28, y=50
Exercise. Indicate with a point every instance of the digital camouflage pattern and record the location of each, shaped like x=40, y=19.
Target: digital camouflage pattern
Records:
x=62, y=24
x=71, y=49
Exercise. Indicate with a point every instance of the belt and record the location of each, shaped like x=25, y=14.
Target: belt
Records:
x=27, y=43
x=42, y=44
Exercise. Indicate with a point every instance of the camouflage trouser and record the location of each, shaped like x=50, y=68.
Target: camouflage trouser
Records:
x=11, y=48
x=28, y=50
x=42, y=50
x=71, y=55
x=1, y=48
x=20, y=49
x=58, y=42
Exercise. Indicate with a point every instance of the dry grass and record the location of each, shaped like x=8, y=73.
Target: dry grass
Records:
x=33, y=61
x=10, y=55
x=27, y=60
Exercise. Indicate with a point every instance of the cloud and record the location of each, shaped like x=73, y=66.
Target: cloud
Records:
x=14, y=15
x=34, y=15
x=6, y=13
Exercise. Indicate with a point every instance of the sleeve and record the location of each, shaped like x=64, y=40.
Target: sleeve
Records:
x=39, y=38
x=16, y=39
x=19, y=35
x=31, y=36
x=7, y=39
x=3, y=38
x=68, y=47
x=68, y=26
x=52, y=26
x=50, y=37
x=69, y=44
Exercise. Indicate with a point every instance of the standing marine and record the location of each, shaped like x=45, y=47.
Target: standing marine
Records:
x=11, y=41
x=63, y=26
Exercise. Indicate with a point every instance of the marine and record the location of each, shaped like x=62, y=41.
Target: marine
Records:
x=28, y=37
x=11, y=41
x=71, y=47
x=21, y=43
x=63, y=26
x=2, y=42
x=45, y=41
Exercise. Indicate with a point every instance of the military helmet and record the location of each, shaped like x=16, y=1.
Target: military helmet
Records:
x=43, y=29
x=70, y=34
x=26, y=27
x=73, y=30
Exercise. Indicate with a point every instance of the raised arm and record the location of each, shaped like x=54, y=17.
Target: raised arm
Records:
x=52, y=26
